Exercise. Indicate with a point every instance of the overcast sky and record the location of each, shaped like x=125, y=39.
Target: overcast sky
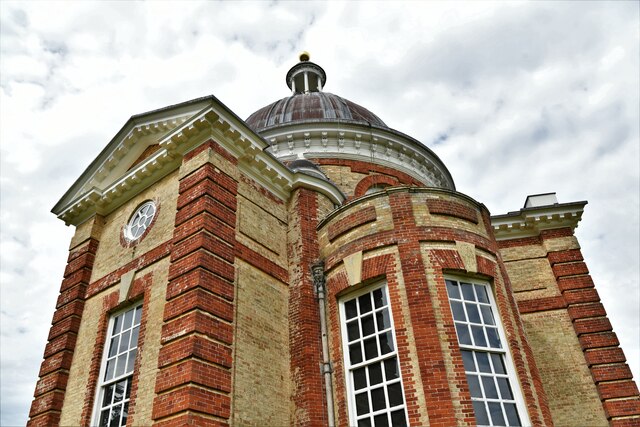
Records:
x=515, y=98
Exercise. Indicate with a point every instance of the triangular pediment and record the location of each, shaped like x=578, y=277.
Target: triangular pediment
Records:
x=151, y=145
x=136, y=141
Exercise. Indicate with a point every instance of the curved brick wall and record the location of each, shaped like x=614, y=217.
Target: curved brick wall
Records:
x=411, y=237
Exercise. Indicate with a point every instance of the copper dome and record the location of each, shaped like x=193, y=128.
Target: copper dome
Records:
x=312, y=107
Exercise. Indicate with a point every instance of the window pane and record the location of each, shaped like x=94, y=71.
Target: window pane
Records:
x=134, y=337
x=381, y=420
x=395, y=394
x=367, y=325
x=115, y=416
x=138, y=316
x=391, y=369
x=495, y=410
x=482, y=293
x=362, y=403
x=458, y=311
x=104, y=418
x=494, y=339
x=353, y=331
x=474, y=386
x=359, y=378
x=375, y=374
x=467, y=291
x=512, y=414
x=398, y=419
x=483, y=362
x=365, y=303
x=489, y=386
x=474, y=314
x=379, y=298
x=452, y=289
x=124, y=342
x=377, y=399
x=111, y=367
x=108, y=394
x=505, y=389
x=128, y=320
x=481, y=413
x=386, y=343
x=478, y=336
x=382, y=318
x=370, y=348
x=113, y=346
x=469, y=363
x=498, y=364
x=117, y=322
x=122, y=362
x=487, y=315
x=365, y=422
x=355, y=353
x=350, y=309
x=131, y=361
x=463, y=334
x=119, y=391
x=125, y=414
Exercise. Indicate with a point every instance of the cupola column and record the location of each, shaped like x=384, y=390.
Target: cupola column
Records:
x=305, y=76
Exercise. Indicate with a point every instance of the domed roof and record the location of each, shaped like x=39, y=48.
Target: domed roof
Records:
x=312, y=107
x=309, y=104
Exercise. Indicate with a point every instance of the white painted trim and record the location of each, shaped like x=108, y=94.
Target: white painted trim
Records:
x=510, y=367
x=345, y=348
x=528, y=222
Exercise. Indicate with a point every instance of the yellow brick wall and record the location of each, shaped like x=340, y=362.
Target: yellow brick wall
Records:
x=572, y=396
x=79, y=372
x=343, y=177
x=111, y=254
x=86, y=342
x=261, y=231
x=262, y=384
x=532, y=275
x=149, y=352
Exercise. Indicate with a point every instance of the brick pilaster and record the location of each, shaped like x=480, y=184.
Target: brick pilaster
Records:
x=612, y=376
x=58, y=354
x=432, y=370
x=304, y=317
x=193, y=385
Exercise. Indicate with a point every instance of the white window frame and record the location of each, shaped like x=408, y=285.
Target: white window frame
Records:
x=135, y=221
x=514, y=382
x=102, y=384
x=350, y=387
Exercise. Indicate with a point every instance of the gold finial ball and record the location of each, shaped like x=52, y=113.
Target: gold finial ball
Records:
x=304, y=56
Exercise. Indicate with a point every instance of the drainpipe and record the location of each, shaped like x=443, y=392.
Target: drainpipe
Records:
x=317, y=270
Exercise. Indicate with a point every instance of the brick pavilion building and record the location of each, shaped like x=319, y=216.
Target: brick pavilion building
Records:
x=310, y=266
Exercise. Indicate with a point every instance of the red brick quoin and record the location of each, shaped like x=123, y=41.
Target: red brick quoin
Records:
x=606, y=360
x=193, y=385
x=54, y=371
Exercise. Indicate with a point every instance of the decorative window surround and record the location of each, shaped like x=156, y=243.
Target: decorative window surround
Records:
x=116, y=371
x=495, y=392
x=374, y=382
x=140, y=221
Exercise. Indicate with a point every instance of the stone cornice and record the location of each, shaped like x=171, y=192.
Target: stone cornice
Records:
x=212, y=121
x=356, y=142
x=529, y=222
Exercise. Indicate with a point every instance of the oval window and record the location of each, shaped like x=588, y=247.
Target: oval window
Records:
x=140, y=221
